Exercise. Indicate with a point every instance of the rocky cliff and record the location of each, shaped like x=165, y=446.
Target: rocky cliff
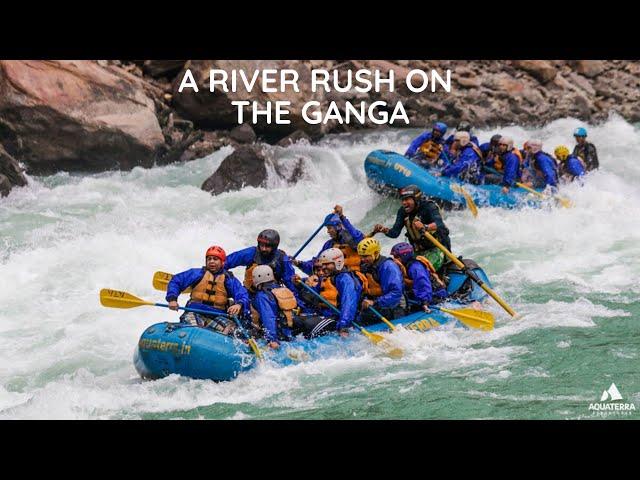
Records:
x=100, y=115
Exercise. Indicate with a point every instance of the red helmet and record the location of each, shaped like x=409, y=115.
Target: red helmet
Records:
x=216, y=251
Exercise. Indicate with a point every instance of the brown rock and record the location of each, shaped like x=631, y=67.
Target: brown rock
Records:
x=214, y=110
x=541, y=70
x=471, y=82
x=163, y=68
x=589, y=68
x=76, y=116
x=295, y=137
x=244, y=167
x=10, y=173
x=243, y=134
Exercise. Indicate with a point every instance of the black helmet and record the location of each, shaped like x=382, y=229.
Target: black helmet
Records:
x=269, y=237
x=495, y=139
x=410, y=191
x=463, y=126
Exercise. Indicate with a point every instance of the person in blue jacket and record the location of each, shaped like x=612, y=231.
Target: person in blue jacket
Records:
x=508, y=164
x=543, y=171
x=384, y=286
x=427, y=148
x=571, y=166
x=490, y=147
x=338, y=286
x=266, y=253
x=465, y=158
x=463, y=126
x=273, y=307
x=211, y=288
x=420, y=290
x=343, y=235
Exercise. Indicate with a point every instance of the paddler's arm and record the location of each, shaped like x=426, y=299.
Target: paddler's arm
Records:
x=242, y=257
x=391, y=282
x=394, y=231
x=266, y=307
x=357, y=235
x=431, y=213
x=415, y=144
x=348, y=300
x=238, y=292
x=510, y=171
x=422, y=289
x=180, y=282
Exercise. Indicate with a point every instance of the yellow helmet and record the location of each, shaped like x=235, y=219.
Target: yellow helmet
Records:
x=369, y=246
x=561, y=152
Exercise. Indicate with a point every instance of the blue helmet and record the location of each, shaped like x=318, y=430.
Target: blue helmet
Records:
x=580, y=132
x=333, y=221
x=402, y=251
x=441, y=127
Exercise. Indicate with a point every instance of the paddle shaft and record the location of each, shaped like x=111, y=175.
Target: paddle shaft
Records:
x=382, y=317
x=320, y=297
x=194, y=310
x=470, y=273
x=518, y=184
x=313, y=235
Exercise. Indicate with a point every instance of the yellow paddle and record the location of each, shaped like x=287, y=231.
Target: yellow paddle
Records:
x=162, y=279
x=119, y=299
x=472, y=275
x=478, y=319
x=470, y=203
x=379, y=340
x=565, y=202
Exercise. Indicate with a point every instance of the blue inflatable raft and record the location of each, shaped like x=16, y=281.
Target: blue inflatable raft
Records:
x=389, y=171
x=177, y=348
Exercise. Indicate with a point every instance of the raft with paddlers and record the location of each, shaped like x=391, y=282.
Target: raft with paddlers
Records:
x=195, y=352
x=389, y=171
x=206, y=353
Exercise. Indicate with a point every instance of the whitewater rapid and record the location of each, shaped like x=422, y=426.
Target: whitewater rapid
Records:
x=64, y=237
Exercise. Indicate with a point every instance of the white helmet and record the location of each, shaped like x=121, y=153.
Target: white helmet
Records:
x=262, y=274
x=332, y=255
x=464, y=138
x=535, y=145
x=508, y=141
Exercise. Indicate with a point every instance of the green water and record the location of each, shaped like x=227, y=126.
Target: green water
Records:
x=573, y=275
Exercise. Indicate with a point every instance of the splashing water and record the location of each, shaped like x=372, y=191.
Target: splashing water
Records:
x=573, y=274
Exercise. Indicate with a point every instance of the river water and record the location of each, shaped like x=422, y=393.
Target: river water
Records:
x=573, y=275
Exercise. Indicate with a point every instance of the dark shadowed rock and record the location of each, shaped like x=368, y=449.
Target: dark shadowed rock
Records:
x=244, y=167
x=10, y=173
x=243, y=134
x=295, y=137
x=163, y=68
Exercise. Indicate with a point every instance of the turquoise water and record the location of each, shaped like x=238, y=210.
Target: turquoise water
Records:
x=573, y=275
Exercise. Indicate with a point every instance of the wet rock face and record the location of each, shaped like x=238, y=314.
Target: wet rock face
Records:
x=76, y=116
x=248, y=165
x=10, y=173
x=244, y=167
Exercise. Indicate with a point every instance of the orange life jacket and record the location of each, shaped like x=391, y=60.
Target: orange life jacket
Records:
x=328, y=291
x=211, y=291
x=286, y=303
x=433, y=276
x=351, y=257
x=430, y=149
x=370, y=285
x=248, y=274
